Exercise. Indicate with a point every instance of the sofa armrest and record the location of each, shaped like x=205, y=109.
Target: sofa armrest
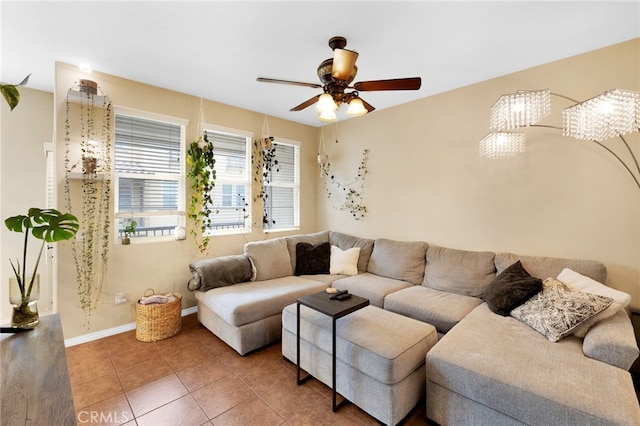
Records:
x=219, y=272
x=612, y=341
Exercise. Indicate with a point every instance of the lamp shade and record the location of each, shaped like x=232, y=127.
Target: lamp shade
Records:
x=606, y=116
x=343, y=63
x=327, y=116
x=519, y=109
x=326, y=103
x=502, y=145
x=356, y=108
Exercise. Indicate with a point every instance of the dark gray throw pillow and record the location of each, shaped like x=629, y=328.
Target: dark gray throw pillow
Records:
x=312, y=259
x=510, y=289
x=219, y=272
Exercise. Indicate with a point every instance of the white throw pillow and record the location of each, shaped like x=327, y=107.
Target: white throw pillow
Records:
x=579, y=282
x=344, y=262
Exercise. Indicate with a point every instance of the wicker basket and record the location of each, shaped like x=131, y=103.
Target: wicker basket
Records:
x=158, y=322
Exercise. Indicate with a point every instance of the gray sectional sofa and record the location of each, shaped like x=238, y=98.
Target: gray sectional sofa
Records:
x=485, y=368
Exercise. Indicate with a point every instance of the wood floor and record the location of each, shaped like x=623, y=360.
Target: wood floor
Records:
x=196, y=379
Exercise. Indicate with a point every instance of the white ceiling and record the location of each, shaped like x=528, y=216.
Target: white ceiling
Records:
x=216, y=49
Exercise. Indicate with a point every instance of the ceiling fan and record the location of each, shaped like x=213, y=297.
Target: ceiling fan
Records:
x=336, y=75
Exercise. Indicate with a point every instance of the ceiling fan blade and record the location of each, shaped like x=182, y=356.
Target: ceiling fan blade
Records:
x=343, y=63
x=306, y=103
x=367, y=105
x=295, y=83
x=412, y=83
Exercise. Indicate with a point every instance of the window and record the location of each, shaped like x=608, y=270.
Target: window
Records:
x=149, y=157
x=282, y=187
x=231, y=194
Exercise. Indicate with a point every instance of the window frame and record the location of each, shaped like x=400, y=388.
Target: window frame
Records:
x=180, y=179
x=295, y=185
x=247, y=183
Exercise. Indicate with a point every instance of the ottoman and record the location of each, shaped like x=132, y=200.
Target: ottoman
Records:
x=380, y=359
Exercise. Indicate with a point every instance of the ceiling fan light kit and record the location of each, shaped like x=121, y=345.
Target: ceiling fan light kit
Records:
x=336, y=75
x=356, y=108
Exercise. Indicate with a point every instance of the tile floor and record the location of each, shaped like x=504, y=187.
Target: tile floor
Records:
x=196, y=379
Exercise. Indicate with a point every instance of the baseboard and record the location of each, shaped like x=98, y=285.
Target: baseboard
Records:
x=115, y=330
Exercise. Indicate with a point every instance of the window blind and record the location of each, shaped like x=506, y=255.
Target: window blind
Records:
x=148, y=169
x=232, y=181
x=282, y=203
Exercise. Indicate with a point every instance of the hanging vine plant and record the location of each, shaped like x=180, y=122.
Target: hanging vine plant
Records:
x=91, y=249
x=346, y=196
x=202, y=175
x=265, y=164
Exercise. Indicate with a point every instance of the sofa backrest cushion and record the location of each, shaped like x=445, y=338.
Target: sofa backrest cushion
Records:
x=270, y=259
x=545, y=267
x=401, y=260
x=345, y=242
x=459, y=271
x=293, y=240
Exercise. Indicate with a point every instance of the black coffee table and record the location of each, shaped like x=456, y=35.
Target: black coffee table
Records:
x=335, y=309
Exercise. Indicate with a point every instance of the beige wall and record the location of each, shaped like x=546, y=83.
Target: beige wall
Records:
x=163, y=266
x=425, y=180
x=562, y=197
x=22, y=184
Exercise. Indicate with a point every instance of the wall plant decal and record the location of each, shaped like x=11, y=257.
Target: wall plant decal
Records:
x=202, y=174
x=346, y=196
x=87, y=189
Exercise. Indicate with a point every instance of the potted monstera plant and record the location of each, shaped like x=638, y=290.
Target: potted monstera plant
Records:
x=49, y=226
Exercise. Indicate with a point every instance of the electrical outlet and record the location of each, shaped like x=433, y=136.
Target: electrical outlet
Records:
x=121, y=298
x=80, y=236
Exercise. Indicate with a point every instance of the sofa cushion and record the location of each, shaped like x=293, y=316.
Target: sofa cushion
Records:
x=579, y=282
x=312, y=259
x=370, y=286
x=270, y=259
x=293, y=240
x=383, y=345
x=459, y=271
x=344, y=262
x=219, y=272
x=545, y=267
x=612, y=341
x=503, y=364
x=441, y=309
x=510, y=289
x=402, y=260
x=246, y=303
x=556, y=311
x=345, y=242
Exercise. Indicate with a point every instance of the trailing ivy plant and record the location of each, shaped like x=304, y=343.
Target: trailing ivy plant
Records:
x=91, y=249
x=202, y=176
x=347, y=196
x=265, y=164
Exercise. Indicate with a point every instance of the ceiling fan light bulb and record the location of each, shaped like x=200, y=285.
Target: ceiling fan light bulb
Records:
x=326, y=103
x=327, y=116
x=356, y=108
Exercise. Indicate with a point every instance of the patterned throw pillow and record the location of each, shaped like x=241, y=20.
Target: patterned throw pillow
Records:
x=556, y=310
